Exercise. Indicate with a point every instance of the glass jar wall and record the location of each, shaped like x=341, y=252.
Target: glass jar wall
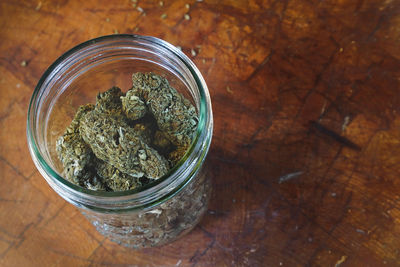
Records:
x=148, y=216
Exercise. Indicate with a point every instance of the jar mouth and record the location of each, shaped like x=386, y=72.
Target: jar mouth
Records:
x=200, y=144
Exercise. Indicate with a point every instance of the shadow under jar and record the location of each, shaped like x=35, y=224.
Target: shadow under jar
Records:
x=159, y=212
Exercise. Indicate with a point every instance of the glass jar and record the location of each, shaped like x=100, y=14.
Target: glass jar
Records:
x=161, y=211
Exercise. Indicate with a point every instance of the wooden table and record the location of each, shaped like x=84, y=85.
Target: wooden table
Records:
x=306, y=150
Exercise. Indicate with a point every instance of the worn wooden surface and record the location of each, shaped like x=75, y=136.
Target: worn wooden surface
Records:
x=287, y=191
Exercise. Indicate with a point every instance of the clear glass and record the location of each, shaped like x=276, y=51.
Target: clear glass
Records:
x=148, y=216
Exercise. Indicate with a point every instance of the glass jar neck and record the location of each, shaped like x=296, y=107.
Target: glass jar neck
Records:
x=88, y=55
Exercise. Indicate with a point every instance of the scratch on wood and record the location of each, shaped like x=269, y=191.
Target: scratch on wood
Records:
x=12, y=200
x=323, y=110
x=345, y=123
x=289, y=176
x=339, y=262
x=211, y=66
x=13, y=168
x=360, y=231
x=337, y=137
x=39, y=5
x=95, y=250
x=21, y=235
x=198, y=255
x=260, y=66
x=70, y=255
x=377, y=27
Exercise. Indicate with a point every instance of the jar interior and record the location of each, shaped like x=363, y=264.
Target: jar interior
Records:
x=79, y=82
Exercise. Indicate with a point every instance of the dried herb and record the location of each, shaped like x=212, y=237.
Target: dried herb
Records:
x=177, y=154
x=120, y=142
x=94, y=182
x=75, y=155
x=175, y=115
x=109, y=102
x=134, y=108
x=113, y=141
x=161, y=224
x=114, y=178
x=162, y=143
x=74, y=126
x=145, y=130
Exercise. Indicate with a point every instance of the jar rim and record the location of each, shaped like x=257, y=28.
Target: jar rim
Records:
x=205, y=122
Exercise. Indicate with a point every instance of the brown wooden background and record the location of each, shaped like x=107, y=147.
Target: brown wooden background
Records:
x=287, y=192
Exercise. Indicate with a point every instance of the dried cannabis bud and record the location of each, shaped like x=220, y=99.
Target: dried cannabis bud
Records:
x=162, y=143
x=94, y=182
x=133, y=107
x=118, y=144
x=146, y=127
x=175, y=115
x=109, y=102
x=153, y=164
x=144, y=131
x=74, y=153
x=177, y=154
x=114, y=178
x=74, y=126
x=113, y=141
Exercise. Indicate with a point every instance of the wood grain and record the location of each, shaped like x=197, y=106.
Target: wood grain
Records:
x=286, y=192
